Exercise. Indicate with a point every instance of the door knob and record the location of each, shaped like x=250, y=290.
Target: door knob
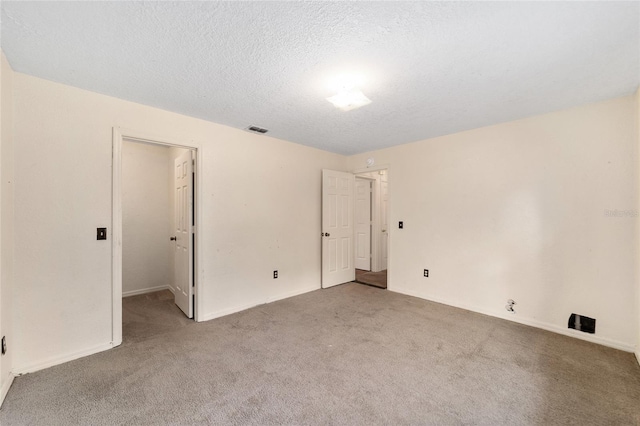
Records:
x=173, y=239
x=325, y=234
x=384, y=230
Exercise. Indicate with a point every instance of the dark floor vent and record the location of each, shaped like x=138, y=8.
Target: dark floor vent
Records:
x=257, y=129
x=582, y=323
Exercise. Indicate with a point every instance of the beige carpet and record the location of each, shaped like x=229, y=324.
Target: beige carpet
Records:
x=351, y=355
x=376, y=279
x=149, y=315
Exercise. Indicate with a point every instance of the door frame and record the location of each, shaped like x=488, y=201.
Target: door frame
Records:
x=118, y=136
x=376, y=240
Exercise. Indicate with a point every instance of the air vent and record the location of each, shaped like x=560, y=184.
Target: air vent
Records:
x=582, y=323
x=256, y=129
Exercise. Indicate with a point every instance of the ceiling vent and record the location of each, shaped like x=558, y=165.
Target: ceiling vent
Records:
x=257, y=129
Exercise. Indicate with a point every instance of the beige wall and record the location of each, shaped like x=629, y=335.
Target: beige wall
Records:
x=146, y=213
x=261, y=211
x=6, y=224
x=517, y=211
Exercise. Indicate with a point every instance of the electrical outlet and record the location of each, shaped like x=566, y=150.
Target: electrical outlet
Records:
x=509, y=306
x=3, y=345
x=275, y=274
x=426, y=273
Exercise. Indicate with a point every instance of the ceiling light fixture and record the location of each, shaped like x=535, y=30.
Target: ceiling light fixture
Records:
x=349, y=96
x=348, y=100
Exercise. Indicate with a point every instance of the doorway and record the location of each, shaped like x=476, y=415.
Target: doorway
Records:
x=154, y=238
x=355, y=227
x=378, y=183
x=155, y=262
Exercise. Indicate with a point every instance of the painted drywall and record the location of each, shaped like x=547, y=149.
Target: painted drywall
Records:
x=260, y=212
x=146, y=249
x=540, y=210
x=6, y=223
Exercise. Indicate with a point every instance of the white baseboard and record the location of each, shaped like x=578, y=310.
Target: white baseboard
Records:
x=526, y=321
x=638, y=353
x=5, y=388
x=146, y=290
x=61, y=359
x=229, y=311
x=292, y=294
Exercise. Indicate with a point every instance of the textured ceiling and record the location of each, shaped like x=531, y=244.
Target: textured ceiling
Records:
x=430, y=68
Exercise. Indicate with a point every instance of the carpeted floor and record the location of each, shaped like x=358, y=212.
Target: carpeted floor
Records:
x=376, y=279
x=149, y=315
x=351, y=355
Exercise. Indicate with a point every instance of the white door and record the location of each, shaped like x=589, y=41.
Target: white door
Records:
x=384, y=221
x=337, y=228
x=183, y=238
x=363, y=224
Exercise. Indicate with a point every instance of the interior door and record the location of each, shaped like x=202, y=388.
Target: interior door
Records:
x=183, y=238
x=384, y=222
x=363, y=224
x=337, y=228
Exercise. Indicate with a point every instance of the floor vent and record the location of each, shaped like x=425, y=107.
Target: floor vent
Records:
x=257, y=129
x=582, y=323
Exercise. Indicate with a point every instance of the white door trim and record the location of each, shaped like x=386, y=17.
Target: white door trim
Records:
x=120, y=134
x=371, y=169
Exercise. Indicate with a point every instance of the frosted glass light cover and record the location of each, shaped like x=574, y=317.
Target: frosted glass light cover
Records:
x=348, y=100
